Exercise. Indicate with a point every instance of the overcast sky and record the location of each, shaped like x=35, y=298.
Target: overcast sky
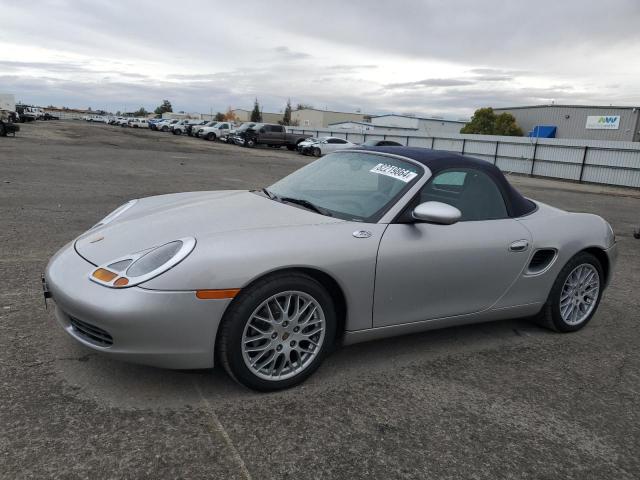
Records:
x=425, y=57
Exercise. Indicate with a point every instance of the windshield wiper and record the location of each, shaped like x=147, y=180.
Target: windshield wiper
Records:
x=269, y=194
x=306, y=204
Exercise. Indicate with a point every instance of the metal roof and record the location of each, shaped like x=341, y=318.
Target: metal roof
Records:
x=435, y=119
x=553, y=105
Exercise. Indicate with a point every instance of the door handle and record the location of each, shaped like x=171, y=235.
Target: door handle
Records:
x=519, y=246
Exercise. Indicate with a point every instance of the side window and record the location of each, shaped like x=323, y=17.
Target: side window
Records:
x=471, y=191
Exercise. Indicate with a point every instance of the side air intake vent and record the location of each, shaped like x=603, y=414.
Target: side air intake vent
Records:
x=541, y=259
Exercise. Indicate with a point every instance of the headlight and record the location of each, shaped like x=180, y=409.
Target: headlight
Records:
x=139, y=267
x=116, y=213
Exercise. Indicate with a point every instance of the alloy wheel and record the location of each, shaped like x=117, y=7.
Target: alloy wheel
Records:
x=283, y=335
x=579, y=294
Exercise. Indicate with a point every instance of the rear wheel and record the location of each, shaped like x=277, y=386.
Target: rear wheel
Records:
x=249, y=142
x=277, y=332
x=575, y=295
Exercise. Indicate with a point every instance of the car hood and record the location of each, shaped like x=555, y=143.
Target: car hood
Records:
x=157, y=220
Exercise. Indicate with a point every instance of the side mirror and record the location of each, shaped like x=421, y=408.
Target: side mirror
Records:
x=437, y=212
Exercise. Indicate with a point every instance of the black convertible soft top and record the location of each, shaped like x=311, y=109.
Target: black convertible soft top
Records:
x=438, y=160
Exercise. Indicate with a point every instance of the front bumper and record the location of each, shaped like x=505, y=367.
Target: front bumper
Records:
x=169, y=329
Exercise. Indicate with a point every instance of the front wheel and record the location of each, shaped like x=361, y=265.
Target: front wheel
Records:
x=317, y=152
x=277, y=332
x=211, y=136
x=250, y=143
x=575, y=295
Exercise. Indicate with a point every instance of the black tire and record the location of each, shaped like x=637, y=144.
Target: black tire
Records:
x=3, y=131
x=165, y=129
x=177, y=132
x=238, y=314
x=211, y=136
x=291, y=148
x=550, y=316
x=317, y=152
x=249, y=142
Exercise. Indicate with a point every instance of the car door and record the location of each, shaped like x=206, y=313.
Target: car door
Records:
x=427, y=271
x=276, y=134
x=333, y=144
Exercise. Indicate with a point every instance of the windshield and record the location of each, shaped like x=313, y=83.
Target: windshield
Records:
x=350, y=185
x=244, y=126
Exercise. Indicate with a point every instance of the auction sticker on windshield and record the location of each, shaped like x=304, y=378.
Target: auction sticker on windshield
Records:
x=392, y=171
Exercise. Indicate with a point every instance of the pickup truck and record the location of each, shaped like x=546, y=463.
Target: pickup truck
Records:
x=272, y=135
x=216, y=131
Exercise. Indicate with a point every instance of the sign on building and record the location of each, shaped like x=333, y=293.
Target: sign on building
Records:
x=603, y=122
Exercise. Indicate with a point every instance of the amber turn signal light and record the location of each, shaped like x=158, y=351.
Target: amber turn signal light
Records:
x=121, y=282
x=217, y=294
x=104, y=275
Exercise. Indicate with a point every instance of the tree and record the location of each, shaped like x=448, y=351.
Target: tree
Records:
x=256, y=115
x=220, y=117
x=286, y=119
x=304, y=106
x=486, y=122
x=141, y=112
x=230, y=116
x=165, y=107
x=506, y=125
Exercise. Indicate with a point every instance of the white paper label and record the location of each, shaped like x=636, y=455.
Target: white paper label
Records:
x=392, y=171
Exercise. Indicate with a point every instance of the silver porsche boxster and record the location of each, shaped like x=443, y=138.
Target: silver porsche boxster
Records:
x=358, y=245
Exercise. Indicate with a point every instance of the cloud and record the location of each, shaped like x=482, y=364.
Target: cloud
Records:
x=427, y=57
x=430, y=82
x=287, y=53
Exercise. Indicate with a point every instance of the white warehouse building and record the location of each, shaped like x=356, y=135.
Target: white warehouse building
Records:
x=430, y=126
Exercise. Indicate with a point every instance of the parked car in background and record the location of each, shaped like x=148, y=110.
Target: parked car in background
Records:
x=166, y=125
x=216, y=131
x=27, y=113
x=196, y=129
x=153, y=122
x=234, y=133
x=272, y=135
x=327, y=145
x=49, y=116
x=381, y=143
x=138, y=123
x=96, y=118
x=184, y=126
x=179, y=127
x=195, y=123
x=306, y=143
